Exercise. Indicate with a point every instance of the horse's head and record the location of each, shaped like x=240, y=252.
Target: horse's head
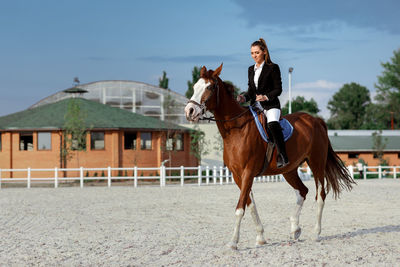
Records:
x=205, y=94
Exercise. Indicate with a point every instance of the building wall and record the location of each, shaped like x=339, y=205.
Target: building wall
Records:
x=392, y=158
x=113, y=155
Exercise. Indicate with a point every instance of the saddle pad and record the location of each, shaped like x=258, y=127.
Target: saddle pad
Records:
x=287, y=128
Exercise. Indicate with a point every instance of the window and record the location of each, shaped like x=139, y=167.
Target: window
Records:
x=169, y=145
x=398, y=154
x=145, y=141
x=44, y=141
x=179, y=142
x=26, y=141
x=174, y=142
x=97, y=140
x=353, y=156
x=78, y=142
x=130, y=140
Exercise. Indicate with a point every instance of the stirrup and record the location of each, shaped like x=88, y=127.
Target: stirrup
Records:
x=281, y=162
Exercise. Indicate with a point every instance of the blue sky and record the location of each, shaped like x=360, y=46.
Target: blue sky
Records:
x=45, y=44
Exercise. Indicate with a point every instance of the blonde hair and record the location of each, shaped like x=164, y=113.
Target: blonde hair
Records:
x=263, y=46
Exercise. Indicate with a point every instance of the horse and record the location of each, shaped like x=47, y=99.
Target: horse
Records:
x=244, y=152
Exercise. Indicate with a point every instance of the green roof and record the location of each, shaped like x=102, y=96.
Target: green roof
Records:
x=100, y=116
x=363, y=143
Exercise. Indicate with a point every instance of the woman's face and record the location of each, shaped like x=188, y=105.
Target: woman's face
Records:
x=257, y=54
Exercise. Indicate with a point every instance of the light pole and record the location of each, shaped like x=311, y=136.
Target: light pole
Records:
x=290, y=90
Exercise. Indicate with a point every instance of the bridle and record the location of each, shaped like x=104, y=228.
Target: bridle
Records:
x=212, y=88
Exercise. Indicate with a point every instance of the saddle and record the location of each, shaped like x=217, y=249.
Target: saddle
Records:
x=261, y=123
x=270, y=146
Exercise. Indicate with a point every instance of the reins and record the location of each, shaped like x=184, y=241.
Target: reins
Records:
x=231, y=119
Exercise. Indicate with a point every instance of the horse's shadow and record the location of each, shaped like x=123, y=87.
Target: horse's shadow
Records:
x=360, y=232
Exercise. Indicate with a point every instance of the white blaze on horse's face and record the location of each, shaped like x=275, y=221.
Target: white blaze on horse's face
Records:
x=193, y=111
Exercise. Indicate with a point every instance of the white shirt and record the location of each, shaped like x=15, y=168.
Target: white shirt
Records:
x=257, y=73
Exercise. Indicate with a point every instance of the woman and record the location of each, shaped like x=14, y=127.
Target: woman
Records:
x=265, y=86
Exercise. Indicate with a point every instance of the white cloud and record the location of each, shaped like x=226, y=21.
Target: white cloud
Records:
x=319, y=84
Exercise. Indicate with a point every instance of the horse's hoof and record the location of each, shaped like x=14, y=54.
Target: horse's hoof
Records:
x=317, y=238
x=296, y=234
x=232, y=246
x=260, y=241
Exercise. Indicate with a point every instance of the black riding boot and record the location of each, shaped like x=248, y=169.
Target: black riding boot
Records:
x=276, y=130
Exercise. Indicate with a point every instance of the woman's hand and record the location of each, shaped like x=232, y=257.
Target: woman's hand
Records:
x=261, y=98
x=240, y=99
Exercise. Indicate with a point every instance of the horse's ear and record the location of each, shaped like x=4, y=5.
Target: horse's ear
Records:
x=217, y=72
x=203, y=71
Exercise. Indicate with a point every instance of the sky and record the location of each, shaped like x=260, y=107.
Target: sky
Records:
x=44, y=44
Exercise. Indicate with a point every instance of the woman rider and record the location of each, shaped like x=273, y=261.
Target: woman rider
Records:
x=265, y=86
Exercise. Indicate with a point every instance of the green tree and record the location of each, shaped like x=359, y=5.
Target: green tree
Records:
x=388, y=90
x=348, y=107
x=163, y=81
x=198, y=143
x=74, y=131
x=301, y=104
x=379, y=145
x=195, y=78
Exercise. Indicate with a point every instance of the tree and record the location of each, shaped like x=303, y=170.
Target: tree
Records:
x=379, y=147
x=301, y=104
x=388, y=90
x=163, y=81
x=348, y=107
x=198, y=144
x=74, y=131
x=195, y=78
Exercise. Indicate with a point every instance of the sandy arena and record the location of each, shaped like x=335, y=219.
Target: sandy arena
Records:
x=125, y=226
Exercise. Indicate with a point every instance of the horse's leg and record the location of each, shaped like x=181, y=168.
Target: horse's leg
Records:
x=245, y=187
x=301, y=191
x=259, y=227
x=318, y=168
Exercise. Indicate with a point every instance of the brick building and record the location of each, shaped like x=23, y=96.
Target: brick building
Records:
x=115, y=137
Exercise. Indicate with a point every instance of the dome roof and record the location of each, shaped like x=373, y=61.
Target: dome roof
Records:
x=137, y=97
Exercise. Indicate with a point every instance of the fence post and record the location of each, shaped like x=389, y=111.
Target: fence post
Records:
x=351, y=171
x=365, y=172
x=55, y=177
x=221, y=175
x=199, y=174
x=182, y=175
x=108, y=176
x=227, y=174
x=394, y=174
x=207, y=174
x=161, y=175
x=380, y=172
x=81, y=176
x=29, y=178
x=215, y=174
x=135, y=176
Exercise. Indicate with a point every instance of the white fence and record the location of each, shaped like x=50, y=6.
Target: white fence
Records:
x=165, y=175
x=370, y=172
x=162, y=176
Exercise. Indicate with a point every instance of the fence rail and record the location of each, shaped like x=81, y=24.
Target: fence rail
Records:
x=166, y=175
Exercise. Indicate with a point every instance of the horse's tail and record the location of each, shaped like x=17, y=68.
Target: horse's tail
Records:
x=336, y=173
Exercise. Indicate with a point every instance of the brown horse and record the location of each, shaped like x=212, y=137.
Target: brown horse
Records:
x=244, y=151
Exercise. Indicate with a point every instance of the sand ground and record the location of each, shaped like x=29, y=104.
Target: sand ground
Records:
x=191, y=225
